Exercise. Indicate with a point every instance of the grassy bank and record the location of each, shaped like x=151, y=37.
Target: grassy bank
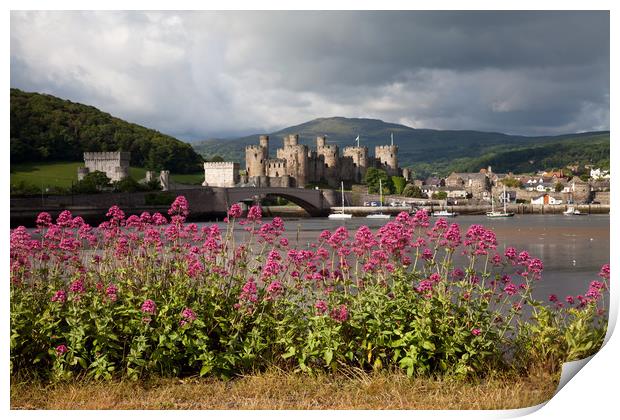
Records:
x=62, y=174
x=278, y=390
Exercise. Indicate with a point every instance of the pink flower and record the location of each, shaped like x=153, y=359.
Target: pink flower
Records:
x=604, y=273
x=476, y=332
x=158, y=219
x=275, y=288
x=116, y=214
x=149, y=307
x=60, y=296
x=64, y=219
x=255, y=213
x=111, y=292
x=283, y=242
x=188, y=316
x=235, y=211
x=321, y=306
x=43, y=220
x=510, y=289
x=61, y=349
x=77, y=286
x=180, y=207
x=553, y=298
x=570, y=300
x=249, y=291
x=339, y=314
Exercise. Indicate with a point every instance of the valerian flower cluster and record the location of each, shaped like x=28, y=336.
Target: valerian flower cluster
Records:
x=151, y=293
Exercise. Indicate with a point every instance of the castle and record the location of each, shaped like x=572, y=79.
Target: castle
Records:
x=295, y=165
x=114, y=164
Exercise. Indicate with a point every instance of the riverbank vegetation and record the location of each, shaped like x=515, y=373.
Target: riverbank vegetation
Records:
x=151, y=296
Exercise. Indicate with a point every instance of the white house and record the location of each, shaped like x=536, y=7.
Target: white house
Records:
x=545, y=199
x=599, y=173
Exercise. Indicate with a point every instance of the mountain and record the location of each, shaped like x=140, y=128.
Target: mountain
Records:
x=429, y=151
x=47, y=128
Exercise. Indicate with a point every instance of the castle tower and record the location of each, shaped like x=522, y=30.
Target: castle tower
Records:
x=330, y=156
x=296, y=156
x=256, y=157
x=359, y=156
x=387, y=156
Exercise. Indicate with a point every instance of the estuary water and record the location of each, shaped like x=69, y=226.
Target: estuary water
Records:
x=572, y=248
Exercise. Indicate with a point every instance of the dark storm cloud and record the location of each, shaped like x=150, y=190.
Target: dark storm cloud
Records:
x=199, y=74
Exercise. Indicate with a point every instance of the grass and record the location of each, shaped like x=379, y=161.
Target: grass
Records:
x=189, y=179
x=279, y=390
x=62, y=174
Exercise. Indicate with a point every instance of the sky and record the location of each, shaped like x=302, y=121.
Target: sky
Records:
x=205, y=74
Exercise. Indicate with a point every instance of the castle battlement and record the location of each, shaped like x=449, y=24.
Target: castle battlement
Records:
x=387, y=147
x=220, y=164
x=356, y=148
x=107, y=155
x=254, y=147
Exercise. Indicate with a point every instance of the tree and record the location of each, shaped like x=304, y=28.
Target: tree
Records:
x=92, y=183
x=413, y=191
x=439, y=195
x=373, y=175
x=128, y=185
x=216, y=158
x=584, y=177
x=511, y=182
x=559, y=187
x=399, y=184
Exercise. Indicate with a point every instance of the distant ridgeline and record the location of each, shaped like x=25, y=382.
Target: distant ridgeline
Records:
x=437, y=151
x=47, y=128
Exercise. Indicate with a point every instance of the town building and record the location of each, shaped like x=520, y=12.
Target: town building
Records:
x=477, y=184
x=546, y=199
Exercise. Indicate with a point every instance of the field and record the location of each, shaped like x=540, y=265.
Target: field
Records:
x=63, y=174
x=281, y=390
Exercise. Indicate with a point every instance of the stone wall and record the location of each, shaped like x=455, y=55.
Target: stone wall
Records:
x=221, y=174
x=601, y=196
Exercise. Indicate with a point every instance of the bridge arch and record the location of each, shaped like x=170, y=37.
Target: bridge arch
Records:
x=312, y=201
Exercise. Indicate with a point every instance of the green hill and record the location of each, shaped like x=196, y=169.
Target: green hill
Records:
x=429, y=151
x=45, y=128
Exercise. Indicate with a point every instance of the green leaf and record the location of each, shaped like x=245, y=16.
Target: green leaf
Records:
x=289, y=353
x=428, y=346
x=328, y=355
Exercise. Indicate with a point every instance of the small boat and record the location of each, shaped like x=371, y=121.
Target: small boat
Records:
x=494, y=213
x=343, y=215
x=379, y=215
x=443, y=213
x=573, y=212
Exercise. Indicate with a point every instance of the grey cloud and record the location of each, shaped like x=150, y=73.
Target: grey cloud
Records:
x=202, y=74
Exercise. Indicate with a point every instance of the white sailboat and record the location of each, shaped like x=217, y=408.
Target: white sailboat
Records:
x=504, y=213
x=379, y=215
x=343, y=215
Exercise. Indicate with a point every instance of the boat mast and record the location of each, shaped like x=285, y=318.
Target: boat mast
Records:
x=342, y=194
x=380, y=194
x=504, y=198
